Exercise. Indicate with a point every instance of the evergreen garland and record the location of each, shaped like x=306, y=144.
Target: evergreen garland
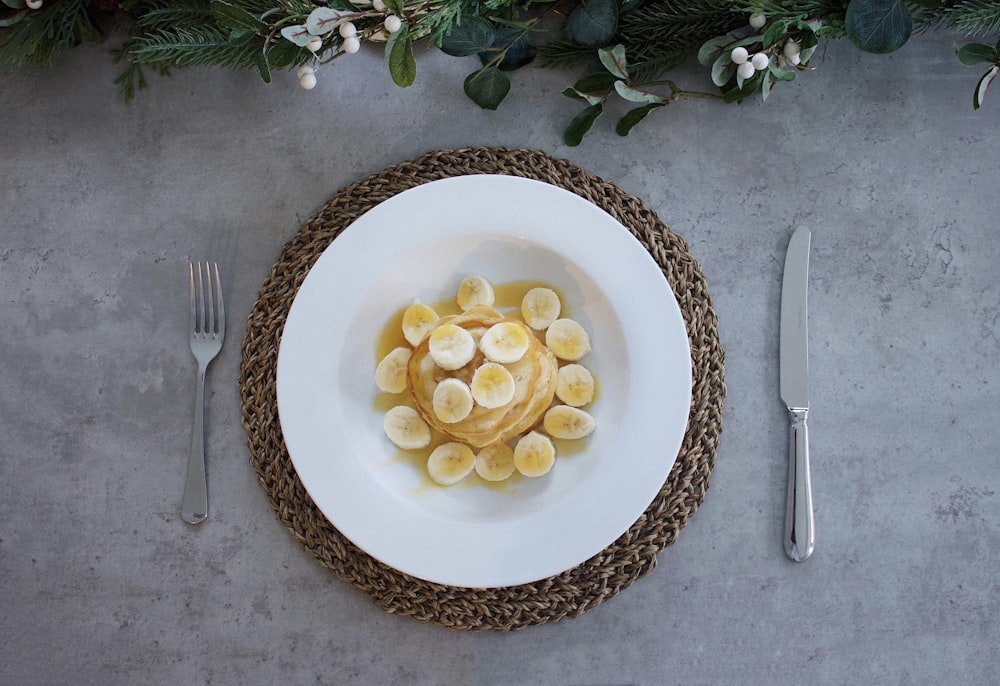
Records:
x=633, y=42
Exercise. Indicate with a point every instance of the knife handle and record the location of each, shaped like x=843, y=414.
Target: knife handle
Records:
x=800, y=535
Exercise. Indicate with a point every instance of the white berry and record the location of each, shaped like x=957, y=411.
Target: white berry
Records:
x=33, y=4
x=378, y=5
x=392, y=23
x=308, y=81
x=795, y=59
x=305, y=69
x=351, y=44
x=314, y=45
x=739, y=55
x=791, y=48
x=348, y=29
x=759, y=61
x=745, y=70
x=757, y=20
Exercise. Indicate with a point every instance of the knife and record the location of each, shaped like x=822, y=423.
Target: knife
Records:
x=800, y=535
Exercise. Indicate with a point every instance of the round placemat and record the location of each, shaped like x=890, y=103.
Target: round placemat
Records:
x=564, y=595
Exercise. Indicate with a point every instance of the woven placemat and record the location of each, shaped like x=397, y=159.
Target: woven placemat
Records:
x=574, y=591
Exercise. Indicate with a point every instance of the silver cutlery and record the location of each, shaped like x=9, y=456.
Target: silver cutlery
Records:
x=208, y=330
x=800, y=535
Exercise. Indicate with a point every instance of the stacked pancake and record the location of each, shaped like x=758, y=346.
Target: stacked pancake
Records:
x=532, y=372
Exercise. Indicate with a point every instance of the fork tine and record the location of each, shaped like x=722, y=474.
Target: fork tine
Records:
x=194, y=311
x=209, y=304
x=201, y=302
x=220, y=308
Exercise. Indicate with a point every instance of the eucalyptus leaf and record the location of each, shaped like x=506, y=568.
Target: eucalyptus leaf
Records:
x=468, y=36
x=878, y=26
x=766, y=85
x=297, y=34
x=487, y=87
x=13, y=4
x=635, y=95
x=613, y=60
x=975, y=53
x=593, y=23
x=12, y=19
x=516, y=46
x=629, y=5
x=983, y=85
x=634, y=116
x=233, y=17
x=322, y=20
x=399, y=56
x=581, y=124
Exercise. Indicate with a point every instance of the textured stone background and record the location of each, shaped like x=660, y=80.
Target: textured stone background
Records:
x=103, y=203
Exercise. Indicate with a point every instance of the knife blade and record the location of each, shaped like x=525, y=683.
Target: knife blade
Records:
x=800, y=535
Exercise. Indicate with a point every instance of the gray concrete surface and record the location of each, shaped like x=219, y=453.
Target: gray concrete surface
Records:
x=103, y=203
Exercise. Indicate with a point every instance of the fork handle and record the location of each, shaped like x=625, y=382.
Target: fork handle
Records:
x=194, y=507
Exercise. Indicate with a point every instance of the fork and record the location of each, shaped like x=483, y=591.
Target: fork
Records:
x=208, y=330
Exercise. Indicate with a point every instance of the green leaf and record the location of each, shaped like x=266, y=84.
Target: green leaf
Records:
x=241, y=36
x=395, y=7
x=487, y=87
x=467, y=37
x=635, y=95
x=233, y=17
x=975, y=53
x=298, y=34
x=633, y=117
x=399, y=55
x=593, y=23
x=581, y=123
x=283, y=54
x=723, y=69
x=712, y=49
x=12, y=19
x=614, y=61
x=13, y=4
x=775, y=32
x=983, y=85
x=598, y=82
x=878, y=26
x=263, y=67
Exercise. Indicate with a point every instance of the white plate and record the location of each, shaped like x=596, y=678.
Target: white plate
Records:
x=419, y=244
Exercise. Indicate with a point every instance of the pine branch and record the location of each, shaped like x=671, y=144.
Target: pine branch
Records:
x=43, y=33
x=974, y=17
x=192, y=46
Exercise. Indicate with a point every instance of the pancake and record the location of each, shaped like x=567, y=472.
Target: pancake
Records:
x=534, y=384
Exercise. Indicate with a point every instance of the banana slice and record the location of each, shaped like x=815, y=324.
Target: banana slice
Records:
x=540, y=307
x=567, y=339
x=495, y=462
x=406, y=428
x=451, y=346
x=505, y=342
x=575, y=385
x=563, y=421
x=534, y=454
x=449, y=463
x=418, y=321
x=390, y=374
x=474, y=290
x=492, y=385
x=452, y=400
